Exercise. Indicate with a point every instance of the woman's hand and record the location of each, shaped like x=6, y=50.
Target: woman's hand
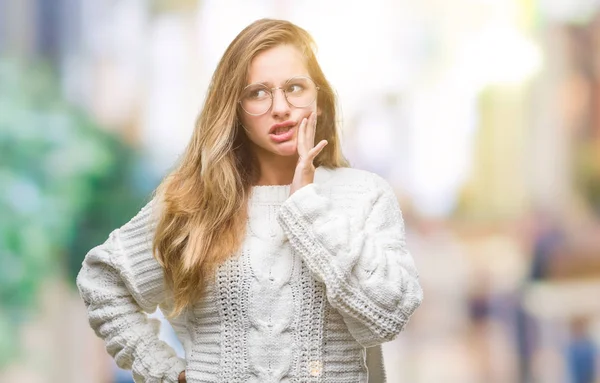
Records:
x=307, y=152
x=181, y=378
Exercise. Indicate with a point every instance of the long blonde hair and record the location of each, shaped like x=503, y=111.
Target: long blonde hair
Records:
x=203, y=202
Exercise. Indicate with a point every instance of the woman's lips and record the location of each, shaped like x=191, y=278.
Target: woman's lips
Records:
x=283, y=131
x=284, y=124
x=283, y=136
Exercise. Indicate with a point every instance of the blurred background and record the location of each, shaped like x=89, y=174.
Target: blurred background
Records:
x=483, y=114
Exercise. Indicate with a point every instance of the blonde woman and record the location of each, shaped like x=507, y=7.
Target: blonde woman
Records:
x=274, y=260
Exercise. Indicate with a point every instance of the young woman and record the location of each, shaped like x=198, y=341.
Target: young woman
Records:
x=274, y=260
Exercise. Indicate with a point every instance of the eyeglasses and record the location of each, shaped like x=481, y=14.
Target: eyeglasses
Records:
x=299, y=91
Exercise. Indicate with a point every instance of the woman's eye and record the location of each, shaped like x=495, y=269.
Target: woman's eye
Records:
x=294, y=88
x=258, y=93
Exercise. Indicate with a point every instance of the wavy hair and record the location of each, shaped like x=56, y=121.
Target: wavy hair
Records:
x=203, y=202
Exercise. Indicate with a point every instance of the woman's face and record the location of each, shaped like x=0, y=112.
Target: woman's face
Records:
x=275, y=131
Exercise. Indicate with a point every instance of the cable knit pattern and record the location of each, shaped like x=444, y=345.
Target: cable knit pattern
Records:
x=271, y=271
x=321, y=275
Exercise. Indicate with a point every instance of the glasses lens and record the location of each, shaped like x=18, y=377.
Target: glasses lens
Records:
x=300, y=91
x=256, y=99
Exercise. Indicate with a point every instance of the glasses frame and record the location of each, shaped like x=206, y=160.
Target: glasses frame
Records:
x=272, y=93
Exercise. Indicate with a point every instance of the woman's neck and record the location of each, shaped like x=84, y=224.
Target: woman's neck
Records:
x=276, y=170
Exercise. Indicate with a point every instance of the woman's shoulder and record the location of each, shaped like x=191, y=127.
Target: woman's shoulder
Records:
x=141, y=227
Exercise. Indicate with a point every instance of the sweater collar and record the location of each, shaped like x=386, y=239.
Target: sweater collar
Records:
x=269, y=193
x=279, y=193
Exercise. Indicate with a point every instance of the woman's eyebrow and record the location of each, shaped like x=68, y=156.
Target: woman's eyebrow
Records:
x=266, y=83
x=269, y=83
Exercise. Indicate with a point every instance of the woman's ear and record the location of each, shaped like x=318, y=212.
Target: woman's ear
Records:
x=319, y=111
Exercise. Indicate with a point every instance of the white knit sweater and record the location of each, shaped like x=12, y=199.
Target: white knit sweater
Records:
x=322, y=275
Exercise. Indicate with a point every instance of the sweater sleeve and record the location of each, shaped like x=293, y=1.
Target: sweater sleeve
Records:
x=360, y=254
x=120, y=282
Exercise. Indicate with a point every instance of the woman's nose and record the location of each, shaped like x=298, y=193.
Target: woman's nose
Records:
x=280, y=105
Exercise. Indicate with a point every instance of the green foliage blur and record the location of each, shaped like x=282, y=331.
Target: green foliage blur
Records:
x=65, y=185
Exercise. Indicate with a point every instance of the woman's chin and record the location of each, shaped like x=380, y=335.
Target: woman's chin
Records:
x=286, y=149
